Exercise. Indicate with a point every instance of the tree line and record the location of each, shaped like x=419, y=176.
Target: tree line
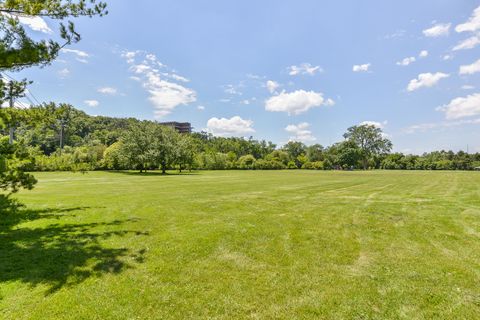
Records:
x=61, y=138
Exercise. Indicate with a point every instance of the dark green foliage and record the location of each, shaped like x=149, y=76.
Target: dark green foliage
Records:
x=369, y=140
x=14, y=159
x=97, y=143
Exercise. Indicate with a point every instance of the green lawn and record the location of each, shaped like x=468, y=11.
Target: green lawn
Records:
x=244, y=245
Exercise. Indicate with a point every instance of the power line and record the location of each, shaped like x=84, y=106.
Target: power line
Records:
x=28, y=92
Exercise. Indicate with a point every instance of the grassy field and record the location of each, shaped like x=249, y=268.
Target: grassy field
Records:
x=244, y=245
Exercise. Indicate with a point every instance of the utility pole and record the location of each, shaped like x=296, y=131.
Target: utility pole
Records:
x=62, y=123
x=14, y=90
x=10, y=127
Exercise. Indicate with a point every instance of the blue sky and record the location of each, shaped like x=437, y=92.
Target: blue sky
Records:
x=280, y=70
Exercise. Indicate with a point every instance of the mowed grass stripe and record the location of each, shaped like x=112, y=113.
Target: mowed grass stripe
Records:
x=243, y=244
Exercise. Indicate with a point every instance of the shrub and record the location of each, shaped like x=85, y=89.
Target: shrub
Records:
x=269, y=165
x=316, y=165
x=246, y=162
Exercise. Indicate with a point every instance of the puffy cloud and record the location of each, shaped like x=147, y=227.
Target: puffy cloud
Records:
x=361, y=67
x=165, y=95
x=272, y=86
x=471, y=68
x=300, y=132
x=380, y=125
x=423, y=54
x=438, y=30
x=235, y=126
x=473, y=23
x=426, y=80
x=447, y=57
x=469, y=43
x=92, y=103
x=201, y=108
x=462, y=107
x=34, y=23
x=406, y=61
x=296, y=102
x=141, y=68
x=130, y=56
x=304, y=68
x=108, y=91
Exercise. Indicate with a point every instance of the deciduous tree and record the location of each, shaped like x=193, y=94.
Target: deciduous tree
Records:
x=371, y=141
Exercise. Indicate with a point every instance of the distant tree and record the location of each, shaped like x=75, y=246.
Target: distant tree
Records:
x=294, y=150
x=348, y=154
x=370, y=140
x=184, y=152
x=149, y=146
x=279, y=156
x=315, y=153
x=112, y=157
x=136, y=147
x=165, y=147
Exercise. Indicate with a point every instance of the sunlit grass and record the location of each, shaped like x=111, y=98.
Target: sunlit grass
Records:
x=244, y=244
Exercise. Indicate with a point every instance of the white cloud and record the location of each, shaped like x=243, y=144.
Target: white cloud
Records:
x=176, y=77
x=471, y=68
x=423, y=54
x=440, y=125
x=201, y=108
x=252, y=76
x=78, y=53
x=380, y=125
x=447, y=57
x=165, y=95
x=406, y=61
x=34, y=23
x=17, y=104
x=296, y=102
x=108, y=91
x=462, y=107
x=473, y=23
x=235, y=126
x=64, y=73
x=426, y=80
x=232, y=89
x=141, y=68
x=272, y=86
x=304, y=68
x=130, y=56
x=92, y=103
x=300, y=132
x=469, y=43
x=467, y=87
x=438, y=30
x=361, y=67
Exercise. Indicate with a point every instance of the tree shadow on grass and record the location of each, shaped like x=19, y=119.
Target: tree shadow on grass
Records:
x=156, y=173
x=59, y=255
